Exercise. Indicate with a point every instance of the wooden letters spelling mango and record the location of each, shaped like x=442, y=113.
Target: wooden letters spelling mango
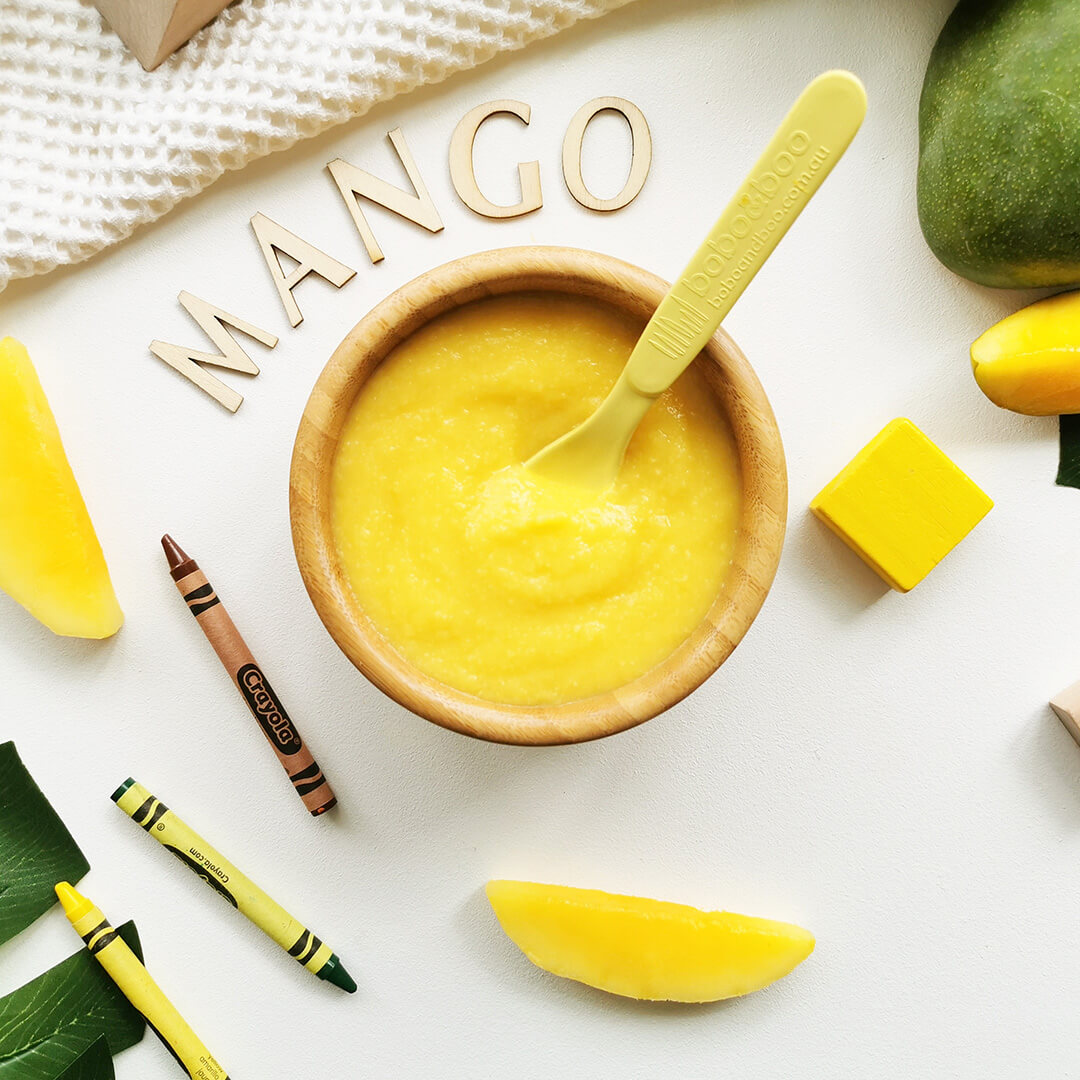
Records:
x=354, y=185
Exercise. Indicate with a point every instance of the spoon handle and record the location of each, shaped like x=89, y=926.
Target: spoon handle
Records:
x=806, y=146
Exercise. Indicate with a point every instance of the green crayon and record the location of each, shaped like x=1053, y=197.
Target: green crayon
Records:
x=226, y=880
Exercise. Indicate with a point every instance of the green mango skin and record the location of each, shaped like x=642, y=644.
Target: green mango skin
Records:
x=999, y=143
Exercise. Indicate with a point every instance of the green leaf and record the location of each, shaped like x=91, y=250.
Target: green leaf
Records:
x=47, y=1024
x=1069, y=458
x=94, y=1063
x=36, y=850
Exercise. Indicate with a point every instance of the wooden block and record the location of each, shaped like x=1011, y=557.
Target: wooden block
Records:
x=155, y=29
x=1067, y=706
x=901, y=505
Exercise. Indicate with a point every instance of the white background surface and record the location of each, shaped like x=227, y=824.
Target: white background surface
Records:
x=880, y=768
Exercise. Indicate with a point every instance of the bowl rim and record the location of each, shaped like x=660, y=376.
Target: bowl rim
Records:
x=758, y=545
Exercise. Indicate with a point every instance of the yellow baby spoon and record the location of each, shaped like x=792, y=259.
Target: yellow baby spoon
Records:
x=806, y=146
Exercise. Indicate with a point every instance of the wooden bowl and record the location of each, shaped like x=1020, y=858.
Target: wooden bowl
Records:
x=757, y=548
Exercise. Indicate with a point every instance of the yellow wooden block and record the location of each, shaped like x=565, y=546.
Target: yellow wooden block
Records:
x=901, y=504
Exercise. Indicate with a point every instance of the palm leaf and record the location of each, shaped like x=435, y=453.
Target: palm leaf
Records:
x=36, y=850
x=47, y=1025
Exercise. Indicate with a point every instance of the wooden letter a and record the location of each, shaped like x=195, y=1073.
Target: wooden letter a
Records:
x=275, y=240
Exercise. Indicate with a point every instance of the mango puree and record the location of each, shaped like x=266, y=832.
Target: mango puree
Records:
x=510, y=589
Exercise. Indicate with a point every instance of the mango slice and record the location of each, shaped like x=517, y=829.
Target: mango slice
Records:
x=646, y=949
x=1030, y=361
x=50, y=558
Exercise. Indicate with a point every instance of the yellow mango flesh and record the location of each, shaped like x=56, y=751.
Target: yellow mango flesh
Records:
x=646, y=949
x=50, y=558
x=485, y=577
x=1030, y=361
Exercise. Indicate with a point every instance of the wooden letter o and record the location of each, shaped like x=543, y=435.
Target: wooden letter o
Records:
x=640, y=153
x=464, y=176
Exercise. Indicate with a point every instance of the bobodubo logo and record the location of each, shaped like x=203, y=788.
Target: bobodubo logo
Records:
x=268, y=710
x=754, y=221
x=762, y=187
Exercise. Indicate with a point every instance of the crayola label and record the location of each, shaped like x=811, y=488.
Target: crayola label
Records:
x=213, y=875
x=268, y=710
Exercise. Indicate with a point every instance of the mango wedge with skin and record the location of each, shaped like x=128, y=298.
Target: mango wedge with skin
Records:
x=50, y=558
x=646, y=949
x=1030, y=361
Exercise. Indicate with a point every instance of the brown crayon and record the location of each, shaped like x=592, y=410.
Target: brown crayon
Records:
x=221, y=632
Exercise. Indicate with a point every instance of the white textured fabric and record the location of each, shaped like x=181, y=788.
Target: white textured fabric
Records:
x=91, y=146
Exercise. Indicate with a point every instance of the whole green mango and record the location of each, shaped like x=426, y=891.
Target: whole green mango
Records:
x=999, y=143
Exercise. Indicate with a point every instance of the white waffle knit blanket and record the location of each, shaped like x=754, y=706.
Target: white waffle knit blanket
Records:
x=92, y=146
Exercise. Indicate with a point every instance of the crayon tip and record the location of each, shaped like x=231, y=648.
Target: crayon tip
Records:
x=334, y=971
x=118, y=794
x=173, y=552
x=75, y=905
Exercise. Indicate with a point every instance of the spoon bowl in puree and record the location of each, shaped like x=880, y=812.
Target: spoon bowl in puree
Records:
x=383, y=634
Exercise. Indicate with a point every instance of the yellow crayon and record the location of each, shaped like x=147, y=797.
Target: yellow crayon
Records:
x=236, y=887
x=126, y=970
